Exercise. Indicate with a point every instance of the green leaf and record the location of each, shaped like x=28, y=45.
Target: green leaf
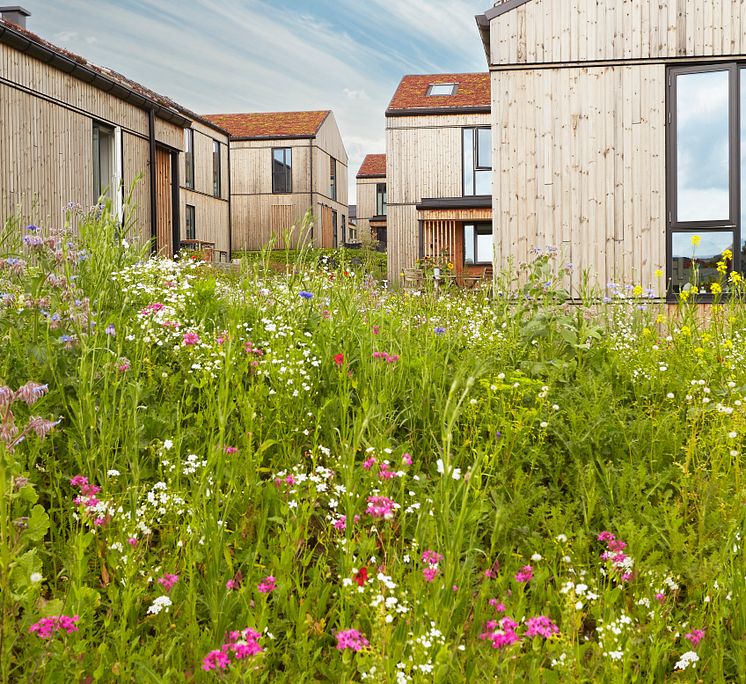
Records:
x=38, y=524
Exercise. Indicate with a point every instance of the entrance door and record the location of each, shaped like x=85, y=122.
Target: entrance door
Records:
x=164, y=203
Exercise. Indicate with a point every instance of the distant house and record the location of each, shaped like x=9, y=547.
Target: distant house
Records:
x=352, y=234
x=619, y=132
x=73, y=132
x=438, y=172
x=282, y=165
x=371, y=198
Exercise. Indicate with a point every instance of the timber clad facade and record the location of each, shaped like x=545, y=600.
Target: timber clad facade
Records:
x=284, y=164
x=438, y=173
x=372, y=199
x=617, y=134
x=71, y=131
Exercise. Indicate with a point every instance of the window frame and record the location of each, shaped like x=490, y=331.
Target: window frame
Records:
x=477, y=225
x=189, y=158
x=431, y=86
x=287, y=173
x=381, y=198
x=332, y=178
x=475, y=160
x=733, y=223
x=108, y=190
x=191, y=211
x=217, y=181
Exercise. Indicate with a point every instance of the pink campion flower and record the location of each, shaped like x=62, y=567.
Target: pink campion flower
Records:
x=455, y=587
x=541, y=626
x=660, y=597
x=406, y=458
x=352, y=639
x=503, y=636
x=385, y=472
x=430, y=573
x=626, y=577
x=230, y=450
x=376, y=330
x=124, y=365
x=525, y=574
x=381, y=507
x=132, y=541
x=235, y=583
x=47, y=626
x=215, y=660
x=340, y=524
x=368, y=463
x=78, y=480
x=617, y=545
x=431, y=557
x=695, y=636
x=190, y=339
x=499, y=607
x=606, y=537
x=168, y=581
x=267, y=585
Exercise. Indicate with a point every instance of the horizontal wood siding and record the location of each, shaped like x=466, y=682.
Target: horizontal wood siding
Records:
x=580, y=165
x=423, y=160
x=552, y=31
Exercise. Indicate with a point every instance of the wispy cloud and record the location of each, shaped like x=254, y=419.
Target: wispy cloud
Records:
x=269, y=55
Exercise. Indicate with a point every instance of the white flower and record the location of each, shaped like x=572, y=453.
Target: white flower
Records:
x=36, y=578
x=687, y=659
x=167, y=444
x=112, y=473
x=562, y=538
x=456, y=473
x=536, y=557
x=161, y=603
x=441, y=468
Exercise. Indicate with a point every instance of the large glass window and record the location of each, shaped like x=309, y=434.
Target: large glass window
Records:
x=477, y=161
x=705, y=140
x=380, y=199
x=189, y=158
x=103, y=161
x=216, y=180
x=478, y=246
x=282, y=170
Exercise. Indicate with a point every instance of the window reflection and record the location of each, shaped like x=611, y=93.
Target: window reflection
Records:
x=705, y=256
x=702, y=146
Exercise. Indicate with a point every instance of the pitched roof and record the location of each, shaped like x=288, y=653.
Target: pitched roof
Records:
x=472, y=94
x=98, y=76
x=373, y=166
x=271, y=125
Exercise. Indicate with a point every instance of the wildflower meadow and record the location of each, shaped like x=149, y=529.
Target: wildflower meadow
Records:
x=253, y=476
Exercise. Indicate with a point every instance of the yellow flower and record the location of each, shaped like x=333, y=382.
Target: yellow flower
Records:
x=684, y=295
x=637, y=292
x=735, y=277
x=722, y=268
x=658, y=273
x=450, y=266
x=727, y=254
x=716, y=289
x=646, y=332
x=659, y=318
x=731, y=319
x=685, y=330
x=696, y=239
x=728, y=344
x=699, y=351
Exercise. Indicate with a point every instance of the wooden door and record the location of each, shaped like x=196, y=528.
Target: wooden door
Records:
x=164, y=204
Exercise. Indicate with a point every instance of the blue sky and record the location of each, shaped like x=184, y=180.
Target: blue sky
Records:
x=273, y=55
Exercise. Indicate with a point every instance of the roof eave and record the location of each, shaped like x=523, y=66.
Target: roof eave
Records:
x=25, y=45
x=363, y=176
x=438, y=111
x=247, y=138
x=483, y=25
x=503, y=7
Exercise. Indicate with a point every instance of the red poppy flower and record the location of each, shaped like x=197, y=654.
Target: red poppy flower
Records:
x=339, y=359
x=361, y=577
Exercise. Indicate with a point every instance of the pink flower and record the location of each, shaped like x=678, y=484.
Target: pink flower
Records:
x=431, y=557
x=660, y=598
x=376, y=330
x=216, y=660
x=525, y=574
x=168, y=581
x=267, y=585
x=502, y=637
x=430, y=573
x=352, y=639
x=541, y=626
x=47, y=626
x=79, y=481
x=230, y=450
x=241, y=645
x=132, y=541
x=455, y=587
x=617, y=545
x=499, y=607
x=695, y=636
x=368, y=463
x=381, y=507
x=406, y=459
x=234, y=583
x=606, y=537
x=190, y=339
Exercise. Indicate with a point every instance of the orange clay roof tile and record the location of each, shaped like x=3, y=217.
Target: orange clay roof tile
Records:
x=472, y=92
x=373, y=166
x=271, y=124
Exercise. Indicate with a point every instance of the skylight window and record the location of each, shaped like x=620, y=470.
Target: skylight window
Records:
x=442, y=89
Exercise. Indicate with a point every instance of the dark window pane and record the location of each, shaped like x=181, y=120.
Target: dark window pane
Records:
x=702, y=146
x=380, y=199
x=685, y=256
x=191, y=224
x=189, y=158
x=216, y=183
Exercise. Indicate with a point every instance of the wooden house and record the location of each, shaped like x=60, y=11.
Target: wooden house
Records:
x=72, y=132
x=438, y=161
x=352, y=232
x=619, y=132
x=284, y=164
x=371, y=199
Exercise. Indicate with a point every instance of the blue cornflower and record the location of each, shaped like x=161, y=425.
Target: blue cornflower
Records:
x=439, y=330
x=306, y=295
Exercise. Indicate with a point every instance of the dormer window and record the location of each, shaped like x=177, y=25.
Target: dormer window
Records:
x=442, y=89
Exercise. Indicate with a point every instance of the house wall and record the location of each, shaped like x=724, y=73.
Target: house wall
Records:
x=423, y=160
x=366, y=204
x=212, y=214
x=46, y=119
x=551, y=31
x=579, y=163
x=258, y=215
